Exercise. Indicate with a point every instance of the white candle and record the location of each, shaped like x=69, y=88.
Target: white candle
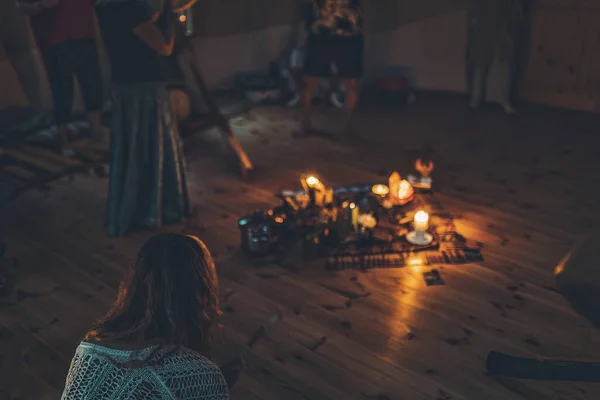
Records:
x=421, y=221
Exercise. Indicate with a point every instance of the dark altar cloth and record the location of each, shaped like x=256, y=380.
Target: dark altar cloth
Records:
x=148, y=183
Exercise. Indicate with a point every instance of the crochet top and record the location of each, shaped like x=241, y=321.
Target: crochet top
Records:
x=99, y=373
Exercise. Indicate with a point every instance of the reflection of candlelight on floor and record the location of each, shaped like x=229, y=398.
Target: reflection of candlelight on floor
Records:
x=415, y=260
x=409, y=282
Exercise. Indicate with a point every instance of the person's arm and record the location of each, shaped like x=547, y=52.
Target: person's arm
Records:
x=29, y=8
x=142, y=23
x=154, y=38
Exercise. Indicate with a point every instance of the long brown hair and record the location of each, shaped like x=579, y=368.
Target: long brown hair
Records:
x=170, y=297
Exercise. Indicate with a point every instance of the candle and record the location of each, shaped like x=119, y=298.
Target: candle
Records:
x=310, y=184
x=420, y=236
x=380, y=190
x=316, y=190
x=328, y=196
x=354, y=213
x=421, y=221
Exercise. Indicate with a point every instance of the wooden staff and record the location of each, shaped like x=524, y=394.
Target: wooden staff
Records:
x=186, y=49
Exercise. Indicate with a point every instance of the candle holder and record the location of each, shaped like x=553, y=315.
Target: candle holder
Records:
x=419, y=236
x=257, y=233
x=425, y=168
x=380, y=190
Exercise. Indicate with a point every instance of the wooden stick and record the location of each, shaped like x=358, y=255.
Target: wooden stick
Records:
x=220, y=120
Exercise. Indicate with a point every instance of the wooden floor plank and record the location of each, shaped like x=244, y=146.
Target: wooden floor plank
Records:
x=388, y=335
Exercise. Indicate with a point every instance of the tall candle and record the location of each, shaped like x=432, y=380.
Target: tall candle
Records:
x=328, y=196
x=421, y=221
x=354, y=213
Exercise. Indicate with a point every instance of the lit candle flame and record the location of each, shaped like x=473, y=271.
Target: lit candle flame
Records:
x=312, y=181
x=421, y=216
x=421, y=221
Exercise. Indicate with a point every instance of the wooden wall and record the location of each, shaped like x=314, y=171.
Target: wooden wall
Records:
x=564, y=65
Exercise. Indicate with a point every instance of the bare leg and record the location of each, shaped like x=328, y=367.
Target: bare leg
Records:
x=506, y=77
x=308, y=92
x=350, y=102
x=478, y=81
x=295, y=81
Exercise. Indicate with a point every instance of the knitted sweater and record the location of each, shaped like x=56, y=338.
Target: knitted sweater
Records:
x=97, y=373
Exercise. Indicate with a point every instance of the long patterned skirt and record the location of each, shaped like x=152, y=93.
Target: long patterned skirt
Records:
x=148, y=185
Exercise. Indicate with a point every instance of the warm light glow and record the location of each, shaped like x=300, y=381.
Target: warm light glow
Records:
x=182, y=18
x=352, y=205
x=421, y=221
x=424, y=167
x=380, y=190
x=367, y=221
x=421, y=216
x=406, y=190
x=279, y=220
x=312, y=181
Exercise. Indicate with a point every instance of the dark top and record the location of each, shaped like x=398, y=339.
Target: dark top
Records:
x=68, y=20
x=131, y=59
x=335, y=17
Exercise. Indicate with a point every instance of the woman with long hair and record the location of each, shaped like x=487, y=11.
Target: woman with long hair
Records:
x=154, y=342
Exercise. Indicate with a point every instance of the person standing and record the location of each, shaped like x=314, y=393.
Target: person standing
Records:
x=148, y=180
x=64, y=32
x=335, y=42
x=494, y=28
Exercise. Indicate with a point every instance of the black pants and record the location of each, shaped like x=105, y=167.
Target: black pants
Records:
x=73, y=59
x=345, y=53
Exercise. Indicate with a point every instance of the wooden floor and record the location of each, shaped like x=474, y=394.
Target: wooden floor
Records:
x=522, y=187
